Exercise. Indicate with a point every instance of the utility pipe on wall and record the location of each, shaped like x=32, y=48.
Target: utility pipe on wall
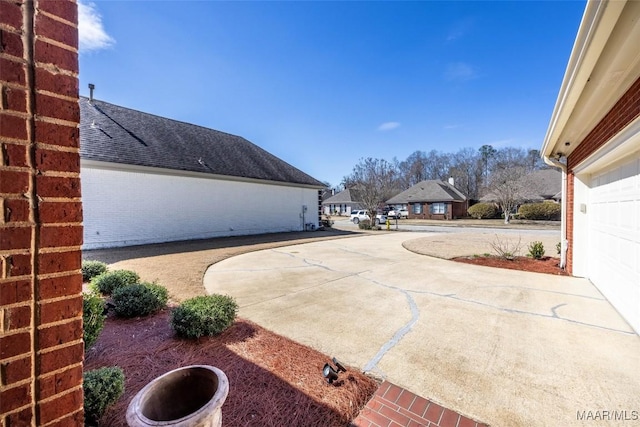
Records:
x=564, y=243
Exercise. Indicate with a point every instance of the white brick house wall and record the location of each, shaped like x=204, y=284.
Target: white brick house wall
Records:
x=127, y=205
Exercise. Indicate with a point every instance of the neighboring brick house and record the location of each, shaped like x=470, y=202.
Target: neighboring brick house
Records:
x=595, y=126
x=432, y=199
x=41, y=348
x=148, y=179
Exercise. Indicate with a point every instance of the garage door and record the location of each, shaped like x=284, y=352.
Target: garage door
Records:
x=614, y=236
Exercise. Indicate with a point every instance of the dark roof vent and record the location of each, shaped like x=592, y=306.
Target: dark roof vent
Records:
x=91, y=88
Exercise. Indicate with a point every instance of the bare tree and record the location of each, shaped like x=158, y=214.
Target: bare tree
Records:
x=466, y=170
x=437, y=165
x=534, y=160
x=373, y=181
x=412, y=170
x=509, y=187
x=509, y=157
x=487, y=152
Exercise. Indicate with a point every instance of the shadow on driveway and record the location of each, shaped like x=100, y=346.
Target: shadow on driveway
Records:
x=113, y=255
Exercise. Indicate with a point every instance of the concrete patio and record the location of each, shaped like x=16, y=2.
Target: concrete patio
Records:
x=504, y=347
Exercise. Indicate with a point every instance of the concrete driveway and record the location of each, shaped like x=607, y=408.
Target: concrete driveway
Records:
x=504, y=347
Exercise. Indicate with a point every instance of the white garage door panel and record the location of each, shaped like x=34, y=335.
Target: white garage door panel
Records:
x=614, y=236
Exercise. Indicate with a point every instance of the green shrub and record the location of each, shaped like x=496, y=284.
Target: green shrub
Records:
x=540, y=211
x=91, y=269
x=204, y=315
x=536, y=250
x=483, y=211
x=102, y=388
x=559, y=247
x=92, y=318
x=139, y=299
x=365, y=224
x=108, y=282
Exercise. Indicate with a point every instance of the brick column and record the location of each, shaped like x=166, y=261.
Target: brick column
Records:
x=41, y=349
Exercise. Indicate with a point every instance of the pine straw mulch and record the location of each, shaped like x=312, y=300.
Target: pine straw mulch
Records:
x=273, y=381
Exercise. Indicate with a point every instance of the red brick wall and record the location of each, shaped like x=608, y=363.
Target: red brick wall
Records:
x=623, y=112
x=569, y=207
x=41, y=349
x=453, y=210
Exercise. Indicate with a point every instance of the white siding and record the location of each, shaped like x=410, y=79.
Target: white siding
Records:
x=123, y=208
x=612, y=257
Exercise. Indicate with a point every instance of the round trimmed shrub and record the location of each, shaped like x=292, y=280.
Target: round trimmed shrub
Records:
x=91, y=269
x=107, y=283
x=139, y=299
x=540, y=211
x=102, y=388
x=204, y=315
x=536, y=250
x=483, y=211
x=92, y=318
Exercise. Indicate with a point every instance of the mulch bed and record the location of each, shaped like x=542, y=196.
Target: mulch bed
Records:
x=273, y=381
x=548, y=265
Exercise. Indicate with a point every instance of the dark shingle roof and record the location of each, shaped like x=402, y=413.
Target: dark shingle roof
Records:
x=429, y=191
x=345, y=196
x=548, y=182
x=539, y=185
x=111, y=133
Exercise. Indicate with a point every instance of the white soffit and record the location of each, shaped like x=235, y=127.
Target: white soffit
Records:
x=604, y=63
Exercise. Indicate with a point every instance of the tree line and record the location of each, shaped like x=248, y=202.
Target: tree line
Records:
x=501, y=173
x=472, y=170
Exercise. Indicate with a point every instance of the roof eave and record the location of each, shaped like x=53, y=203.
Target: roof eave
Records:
x=589, y=86
x=98, y=164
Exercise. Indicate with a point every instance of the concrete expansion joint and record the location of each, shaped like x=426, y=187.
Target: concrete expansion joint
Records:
x=372, y=365
x=553, y=310
x=311, y=263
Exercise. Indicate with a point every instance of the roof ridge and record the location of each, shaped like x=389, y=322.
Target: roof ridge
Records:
x=163, y=117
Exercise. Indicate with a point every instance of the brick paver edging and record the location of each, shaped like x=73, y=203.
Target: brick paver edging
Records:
x=393, y=406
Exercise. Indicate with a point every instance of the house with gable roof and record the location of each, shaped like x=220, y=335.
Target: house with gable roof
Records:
x=432, y=199
x=149, y=179
x=342, y=203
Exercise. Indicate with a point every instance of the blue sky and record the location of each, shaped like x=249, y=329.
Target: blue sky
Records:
x=323, y=84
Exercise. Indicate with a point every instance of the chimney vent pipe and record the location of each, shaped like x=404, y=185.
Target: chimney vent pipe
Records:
x=91, y=88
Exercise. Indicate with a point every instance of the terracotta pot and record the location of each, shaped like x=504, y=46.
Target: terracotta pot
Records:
x=191, y=396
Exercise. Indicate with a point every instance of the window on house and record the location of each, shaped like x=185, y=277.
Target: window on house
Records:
x=437, y=208
x=417, y=208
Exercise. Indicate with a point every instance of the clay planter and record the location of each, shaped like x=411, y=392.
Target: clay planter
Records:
x=191, y=396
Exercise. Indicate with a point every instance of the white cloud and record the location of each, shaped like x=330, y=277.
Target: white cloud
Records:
x=460, y=29
x=455, y=34
x=460, y=71
x=92, y=33
x=388, y=126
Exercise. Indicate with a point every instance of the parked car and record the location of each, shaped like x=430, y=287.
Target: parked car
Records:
x=361, y=215
x=400, y=213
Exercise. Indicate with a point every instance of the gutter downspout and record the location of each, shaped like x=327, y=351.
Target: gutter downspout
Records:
x=564, y=243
